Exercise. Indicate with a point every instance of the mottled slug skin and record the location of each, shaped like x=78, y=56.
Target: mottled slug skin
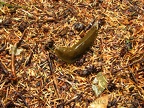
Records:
x=71, y=54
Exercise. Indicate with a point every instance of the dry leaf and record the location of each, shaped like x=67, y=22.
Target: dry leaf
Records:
x=101, y=102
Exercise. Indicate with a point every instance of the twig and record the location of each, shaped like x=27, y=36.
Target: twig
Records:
x=137, y=61
x=13, y=63
x=28, y=61
x=21, y=39
x=132, y=77
x=50, y=63
x=13, y=70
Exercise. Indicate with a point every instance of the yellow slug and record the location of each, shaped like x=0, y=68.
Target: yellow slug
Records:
x=71, y=54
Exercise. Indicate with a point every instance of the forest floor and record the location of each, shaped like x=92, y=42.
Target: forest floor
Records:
x=31, y=74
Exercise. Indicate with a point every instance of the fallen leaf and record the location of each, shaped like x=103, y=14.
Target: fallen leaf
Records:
x=99, y=84
x=101, y=102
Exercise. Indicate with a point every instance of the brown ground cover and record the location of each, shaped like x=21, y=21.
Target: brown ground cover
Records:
x=32, y=76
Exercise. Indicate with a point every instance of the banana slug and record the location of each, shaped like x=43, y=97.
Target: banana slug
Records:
x=71, y=54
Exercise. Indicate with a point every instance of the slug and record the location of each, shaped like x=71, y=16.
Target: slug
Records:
x=71, y=54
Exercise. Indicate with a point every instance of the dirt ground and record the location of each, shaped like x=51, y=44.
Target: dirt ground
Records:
x=33, y=76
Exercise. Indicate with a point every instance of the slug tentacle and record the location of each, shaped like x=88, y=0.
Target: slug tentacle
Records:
x=71, y=54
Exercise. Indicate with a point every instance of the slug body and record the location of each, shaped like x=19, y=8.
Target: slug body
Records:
x=71, y=54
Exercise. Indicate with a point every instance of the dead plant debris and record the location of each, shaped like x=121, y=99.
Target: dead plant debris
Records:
x=36, y=78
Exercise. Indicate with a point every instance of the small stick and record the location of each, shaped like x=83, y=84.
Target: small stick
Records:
x=21, y=39
x=28, y=61
x=50, y=63
x=13, y=64
x=13, y=70
x=137, y=61
x=132, y=77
